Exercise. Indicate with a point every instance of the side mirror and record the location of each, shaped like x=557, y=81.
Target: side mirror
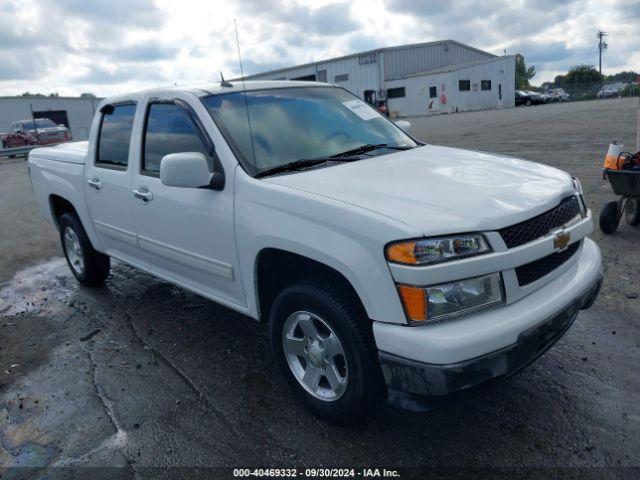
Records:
x=403, y=125
x=189, y=170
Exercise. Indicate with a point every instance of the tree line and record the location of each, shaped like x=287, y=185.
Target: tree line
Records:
x=581, y=81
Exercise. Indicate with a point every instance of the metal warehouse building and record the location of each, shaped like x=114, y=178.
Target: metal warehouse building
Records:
x=420, y=79
x=74, y=112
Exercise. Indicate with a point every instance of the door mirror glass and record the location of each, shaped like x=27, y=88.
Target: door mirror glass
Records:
x=185, y=170
x=403, y=125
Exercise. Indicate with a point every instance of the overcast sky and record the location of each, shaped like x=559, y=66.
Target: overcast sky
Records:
x=113, y=46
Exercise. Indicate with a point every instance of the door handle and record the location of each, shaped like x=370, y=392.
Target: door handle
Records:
x=143, y=194
x=95, y=183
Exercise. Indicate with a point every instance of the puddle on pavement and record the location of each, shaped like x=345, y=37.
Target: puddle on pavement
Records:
x=38, y=288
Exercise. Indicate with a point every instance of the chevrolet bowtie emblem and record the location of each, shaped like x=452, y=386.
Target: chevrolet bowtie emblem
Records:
x=561, y=241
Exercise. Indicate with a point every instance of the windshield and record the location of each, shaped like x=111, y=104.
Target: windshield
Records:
x=270, y=128
x=40, y=123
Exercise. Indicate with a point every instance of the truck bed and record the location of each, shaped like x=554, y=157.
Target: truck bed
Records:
x=72, y=152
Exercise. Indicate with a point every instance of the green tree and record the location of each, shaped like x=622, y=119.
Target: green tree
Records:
x=626, y=77
x=581, y=81
x=523, y=74
x=580, y=74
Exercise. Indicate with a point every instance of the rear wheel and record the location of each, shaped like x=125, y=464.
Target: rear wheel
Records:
x=90, y=267
x=527, y=102
x=324, y=347
x=632, y=212
x=609, y=217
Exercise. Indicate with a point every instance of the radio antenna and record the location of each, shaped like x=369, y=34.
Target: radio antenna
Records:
x=244, y=94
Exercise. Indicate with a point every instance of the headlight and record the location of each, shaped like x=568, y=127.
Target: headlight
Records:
x=435, y=250
x=439, y=302
x=577, y=186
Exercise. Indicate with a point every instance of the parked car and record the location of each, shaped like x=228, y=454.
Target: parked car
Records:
x=611, y=90
x=40, y=131
x=558, y=95
x=338, y=229
x=528, y=98
x=545, y=97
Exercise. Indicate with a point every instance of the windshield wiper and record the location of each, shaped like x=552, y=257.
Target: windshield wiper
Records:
x=368, y=148
x=293, y=166
x=302, y=164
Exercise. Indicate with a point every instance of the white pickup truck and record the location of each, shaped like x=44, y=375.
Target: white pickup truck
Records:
x=385, y=268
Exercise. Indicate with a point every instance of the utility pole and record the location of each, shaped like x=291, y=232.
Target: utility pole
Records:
x=601, y=46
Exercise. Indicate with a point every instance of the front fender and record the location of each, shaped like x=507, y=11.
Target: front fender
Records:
x=347, y=239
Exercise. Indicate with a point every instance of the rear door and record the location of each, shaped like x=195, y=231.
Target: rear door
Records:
x=107, y=182
x=185, y=234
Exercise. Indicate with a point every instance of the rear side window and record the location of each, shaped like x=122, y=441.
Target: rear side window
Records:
x=115, y=135
x=169, y=129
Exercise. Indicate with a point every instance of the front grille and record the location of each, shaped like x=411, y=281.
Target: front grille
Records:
x=537, y=227
x=530, y=272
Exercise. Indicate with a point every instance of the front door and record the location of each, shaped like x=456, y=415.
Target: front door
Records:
x=107, y=182
x=185, y=234
x=434, y=101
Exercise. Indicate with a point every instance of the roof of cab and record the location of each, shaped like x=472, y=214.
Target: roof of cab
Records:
x=214, y=88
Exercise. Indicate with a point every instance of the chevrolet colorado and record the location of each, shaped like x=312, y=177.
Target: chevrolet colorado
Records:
x=385, y=268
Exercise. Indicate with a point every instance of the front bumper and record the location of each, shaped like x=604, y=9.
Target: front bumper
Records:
x=419, y=384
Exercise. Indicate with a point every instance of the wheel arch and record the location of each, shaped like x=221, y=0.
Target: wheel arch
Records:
x=59, y=206
x=271, y=278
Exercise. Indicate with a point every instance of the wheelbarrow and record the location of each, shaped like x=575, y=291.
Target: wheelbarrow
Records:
x=625, y=184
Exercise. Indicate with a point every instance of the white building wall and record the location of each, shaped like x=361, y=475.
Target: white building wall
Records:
x=361, y=77
x=448, y=97
x=80, y=111
x=404, y=61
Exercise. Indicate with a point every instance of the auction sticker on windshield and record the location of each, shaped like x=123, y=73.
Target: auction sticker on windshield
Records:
x=361, y=109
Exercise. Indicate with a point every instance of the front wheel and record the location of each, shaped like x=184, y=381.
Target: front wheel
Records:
x=609, y=217
x=324, y=347
x=90, y=267
x=632, y=212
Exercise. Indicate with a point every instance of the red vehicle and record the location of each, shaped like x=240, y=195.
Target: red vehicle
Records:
x=39, y=131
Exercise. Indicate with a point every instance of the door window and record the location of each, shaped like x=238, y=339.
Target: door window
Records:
x=115, y=136
x=433, y=92
x=169, y=129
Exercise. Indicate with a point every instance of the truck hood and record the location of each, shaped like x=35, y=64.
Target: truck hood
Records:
x=440, y=190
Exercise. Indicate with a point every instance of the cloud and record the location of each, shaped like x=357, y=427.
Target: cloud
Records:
x=15, y=69
x=139, y=13
x=113, y=46
x=542, y=52
x=105, y=75
x=144, y=52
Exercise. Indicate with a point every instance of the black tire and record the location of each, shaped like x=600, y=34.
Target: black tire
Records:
x=95, y=265
x=609, y=217
x=632, y=212
x=365, y=390
x=527, y=102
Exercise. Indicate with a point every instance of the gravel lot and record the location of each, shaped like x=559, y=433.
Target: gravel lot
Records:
x=142, y=374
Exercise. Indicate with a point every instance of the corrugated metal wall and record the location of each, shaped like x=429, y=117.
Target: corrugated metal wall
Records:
x=360, y=77
x=401, y=62
x=396, y=63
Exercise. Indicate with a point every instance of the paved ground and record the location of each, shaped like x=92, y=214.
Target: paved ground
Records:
x=140, y=373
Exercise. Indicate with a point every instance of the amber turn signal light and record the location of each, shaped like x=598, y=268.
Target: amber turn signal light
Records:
x=402, y=253
x=414, y=301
